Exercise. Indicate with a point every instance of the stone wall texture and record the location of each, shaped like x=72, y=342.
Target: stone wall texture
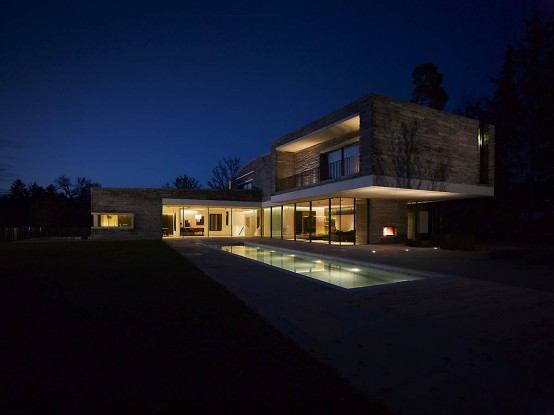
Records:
x=361, y=221
x=445, y=146
x=262, y=172
x=384, y=212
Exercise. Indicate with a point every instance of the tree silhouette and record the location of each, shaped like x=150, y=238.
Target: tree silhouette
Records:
x=523, y=113
x=223, y=173
x=64, y=184
x=18, y=190
x=427, y=87
x=184, y=182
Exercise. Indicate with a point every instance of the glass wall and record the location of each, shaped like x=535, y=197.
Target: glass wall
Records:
x=219, y=223
x=304, y=221
x=210, y=221
x=267, y=223
x=320, y=210
x=288, y=221
x=276, y=222
x=324, y=221
x=342, y=221
x=245, y=222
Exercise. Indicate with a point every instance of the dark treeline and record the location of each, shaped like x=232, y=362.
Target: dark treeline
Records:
x=522, y=110
x=64, y=203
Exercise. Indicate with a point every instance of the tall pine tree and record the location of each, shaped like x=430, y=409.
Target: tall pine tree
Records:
x=523, y=111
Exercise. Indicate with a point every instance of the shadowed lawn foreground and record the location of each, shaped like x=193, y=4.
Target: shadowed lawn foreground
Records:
x=96, y=327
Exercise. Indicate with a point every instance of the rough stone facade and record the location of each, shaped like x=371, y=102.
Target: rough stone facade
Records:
x=309, y=158
x=445, y=146
x=146, y=207
x=262, y=172
x=384, y=212
x=362, y=221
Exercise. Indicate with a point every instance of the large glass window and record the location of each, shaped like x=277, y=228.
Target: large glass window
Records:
x=342, y=162
x=113, y=220
x=304, y=221
x=267, y=223
x=288, y=221
x=342, y=221
x=320, y=210
x=246, y=222
x=276, y=222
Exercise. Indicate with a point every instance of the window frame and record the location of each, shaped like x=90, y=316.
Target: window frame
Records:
x=325, y=173
x=97, y=217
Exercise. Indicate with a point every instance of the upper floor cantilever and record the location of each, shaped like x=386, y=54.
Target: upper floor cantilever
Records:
x=398, y=143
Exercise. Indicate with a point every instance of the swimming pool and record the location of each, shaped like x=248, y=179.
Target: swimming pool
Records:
x=336, y=273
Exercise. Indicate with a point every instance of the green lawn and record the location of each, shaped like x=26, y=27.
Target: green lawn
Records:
x=96, y=327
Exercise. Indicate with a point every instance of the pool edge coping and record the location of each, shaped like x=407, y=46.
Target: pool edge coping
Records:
x=428, y=276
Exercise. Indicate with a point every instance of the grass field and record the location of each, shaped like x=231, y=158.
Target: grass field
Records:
x=119, y=327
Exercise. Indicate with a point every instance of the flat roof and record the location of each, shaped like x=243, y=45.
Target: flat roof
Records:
x=342, y=127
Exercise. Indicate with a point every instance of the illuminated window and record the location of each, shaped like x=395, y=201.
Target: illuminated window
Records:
x=389, y=230
x=113, y=220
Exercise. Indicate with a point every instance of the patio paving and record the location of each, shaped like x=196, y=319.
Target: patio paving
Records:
x=457, y=345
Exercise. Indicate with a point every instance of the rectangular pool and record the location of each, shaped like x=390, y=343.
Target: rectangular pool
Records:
x=336, y=273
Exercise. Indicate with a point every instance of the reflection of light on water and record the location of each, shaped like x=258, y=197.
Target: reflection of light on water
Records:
x=333, y=272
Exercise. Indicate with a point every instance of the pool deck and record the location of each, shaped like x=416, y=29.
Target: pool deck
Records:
x=479, y=341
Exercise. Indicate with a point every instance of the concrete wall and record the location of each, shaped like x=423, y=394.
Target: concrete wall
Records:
x=146, y=206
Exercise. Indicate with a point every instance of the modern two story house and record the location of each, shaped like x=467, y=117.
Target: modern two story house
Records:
x=362, y=174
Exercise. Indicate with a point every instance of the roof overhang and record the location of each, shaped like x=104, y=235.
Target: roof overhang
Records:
x=342, y=127
x=211, y=203
x=375, y=187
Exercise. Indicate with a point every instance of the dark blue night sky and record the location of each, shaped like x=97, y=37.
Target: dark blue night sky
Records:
x=133, y=94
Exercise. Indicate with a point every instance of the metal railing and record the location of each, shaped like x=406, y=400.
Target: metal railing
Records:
x=304, y=178
x=340, y=168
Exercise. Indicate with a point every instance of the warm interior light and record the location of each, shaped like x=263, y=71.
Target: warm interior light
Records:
x=389, y=230
x=197, y=217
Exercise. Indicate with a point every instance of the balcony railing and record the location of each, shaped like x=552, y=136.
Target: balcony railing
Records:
x=340, y=168
x=298, y=180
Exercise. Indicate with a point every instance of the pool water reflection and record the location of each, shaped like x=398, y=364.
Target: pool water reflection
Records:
x=337, y=273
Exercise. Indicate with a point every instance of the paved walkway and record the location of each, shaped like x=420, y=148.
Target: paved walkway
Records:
x=440, y=346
